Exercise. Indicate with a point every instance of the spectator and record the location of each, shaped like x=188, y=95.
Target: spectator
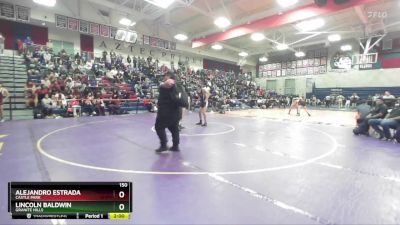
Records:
x=391, y=121
x=88, y=105
x=46, y=82
x=47, y=105
x=389, y=99
x=387, y=95
x=31, y=98
x=100, y=106
x=340, y=99
x=115, y=105
x=327, y=101
x=363, y=110
x=378, y=112
x=4, y=94
x=354, y=99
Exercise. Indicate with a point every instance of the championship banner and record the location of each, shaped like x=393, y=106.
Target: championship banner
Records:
x=61, y=21
x=113, y=32
x=84, y=26
x=153, y=41
x=73, y=24
x=146, y=40
x=94, y=29
x=7, y=10
x=104, y=31
x=23, y=13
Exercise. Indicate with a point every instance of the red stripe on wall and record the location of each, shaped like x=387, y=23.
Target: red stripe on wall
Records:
x=40, y=35
x=87, y=43
x=391, y=63
x=6, y=29
x=13, y=30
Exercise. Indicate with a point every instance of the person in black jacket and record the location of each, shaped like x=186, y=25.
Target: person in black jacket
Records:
x=170, y=102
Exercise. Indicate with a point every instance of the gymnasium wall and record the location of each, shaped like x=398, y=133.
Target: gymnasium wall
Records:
x=386, y=77
x=13, y=30
x=100, y=44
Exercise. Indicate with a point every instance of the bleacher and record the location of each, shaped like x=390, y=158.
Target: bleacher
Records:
x=362, y=92
x=13, y=76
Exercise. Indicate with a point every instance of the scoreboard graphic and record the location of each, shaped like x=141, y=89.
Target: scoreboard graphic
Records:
x=70, y=200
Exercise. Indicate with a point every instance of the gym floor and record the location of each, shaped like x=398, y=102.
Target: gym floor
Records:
x=256, y=167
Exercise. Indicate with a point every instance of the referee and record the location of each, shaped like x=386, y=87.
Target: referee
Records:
x=170, y=102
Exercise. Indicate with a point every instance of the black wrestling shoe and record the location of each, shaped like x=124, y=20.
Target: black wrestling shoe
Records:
x=199, y=123
x=309, y=114
x=174, y=149
x=161, y=149
x=204, y=125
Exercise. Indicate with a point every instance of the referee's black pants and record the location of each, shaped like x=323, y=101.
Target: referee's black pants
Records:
x=173, y=127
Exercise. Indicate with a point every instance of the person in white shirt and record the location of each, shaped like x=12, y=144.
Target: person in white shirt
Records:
x=46, y=82
x=327, y=101
x=47, y=56
x=47, y=105
x=387, y=95
x=347, y=104
x=340, y=99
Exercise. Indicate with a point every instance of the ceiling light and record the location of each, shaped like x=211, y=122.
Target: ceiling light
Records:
x=334, y=37
x=310, y=25
x=222, y=22
x=257, y=37
x=243, y=54
x=281, y=47
x=299, y=54
x=263, y=59
x=161, y=3
x=181, y=37
x=346, y=48
x=286, y=3
x=126, y=22
x=217, y=47
x=49, y=3
x=43, y=24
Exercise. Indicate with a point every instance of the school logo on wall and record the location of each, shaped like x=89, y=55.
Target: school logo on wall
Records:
x=341, y=61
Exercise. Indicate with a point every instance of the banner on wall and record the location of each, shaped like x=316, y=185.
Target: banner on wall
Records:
x=15, y=12
x=216, y=65
x=341, y=61
x=103, y=44
x=83, y=26
x=73, y=24
x=23, y=13
x=61, y=21
x=113, y=32
x=104, y=31
x=7, y=10
x=96, y=29
x=158, y=43
x=314, y=63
